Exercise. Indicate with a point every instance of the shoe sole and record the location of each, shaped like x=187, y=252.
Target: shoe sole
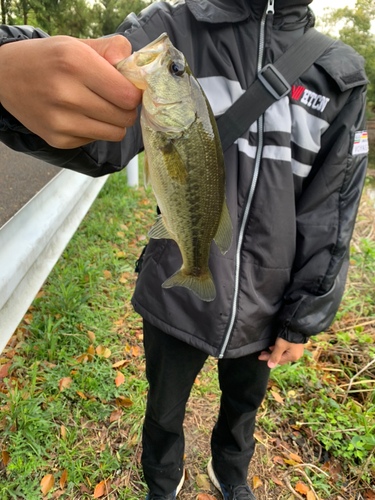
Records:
x=212, y=476
x=180, y=484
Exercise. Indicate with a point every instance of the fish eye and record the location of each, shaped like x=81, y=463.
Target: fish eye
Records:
x=176, y=68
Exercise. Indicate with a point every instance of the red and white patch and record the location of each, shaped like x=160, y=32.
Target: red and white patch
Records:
x=309, y=98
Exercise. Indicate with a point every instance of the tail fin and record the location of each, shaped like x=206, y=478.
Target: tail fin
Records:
x=203, y=286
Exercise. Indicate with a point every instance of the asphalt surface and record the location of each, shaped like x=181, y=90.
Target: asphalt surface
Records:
x=21, y=177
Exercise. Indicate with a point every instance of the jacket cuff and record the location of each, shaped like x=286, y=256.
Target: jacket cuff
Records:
x=293, y=337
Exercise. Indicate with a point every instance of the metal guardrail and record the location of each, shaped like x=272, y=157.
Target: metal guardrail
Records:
x=33, y=240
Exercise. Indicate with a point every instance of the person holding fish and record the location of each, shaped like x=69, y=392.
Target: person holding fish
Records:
x=249, y=255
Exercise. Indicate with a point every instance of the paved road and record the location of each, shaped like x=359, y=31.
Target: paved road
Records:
x=21, y=177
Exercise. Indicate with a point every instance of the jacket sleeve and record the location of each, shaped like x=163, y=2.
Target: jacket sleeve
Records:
x=326, y=213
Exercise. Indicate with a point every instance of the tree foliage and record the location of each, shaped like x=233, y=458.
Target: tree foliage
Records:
x=78, y=18
x=354, y=27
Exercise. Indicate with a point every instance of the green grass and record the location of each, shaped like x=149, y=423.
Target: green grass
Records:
x=86, y=303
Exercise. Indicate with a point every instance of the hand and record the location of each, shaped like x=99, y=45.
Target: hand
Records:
x=282, y=352
x=66, y=90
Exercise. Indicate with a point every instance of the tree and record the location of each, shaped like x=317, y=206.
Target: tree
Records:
x=113, y=12
x=354, y=28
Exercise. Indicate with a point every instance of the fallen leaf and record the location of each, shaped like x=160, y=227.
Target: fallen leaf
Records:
x=290, y=462
x=103, y=351
x=278, y=460
x=57, y=494
x=121, y=234
x=63, y=432
x=204, y=496
x=91, y=335
x=83, y=358
x=125, y=402
x=310, y=495
x=296, y=458
x=120, y=379
x=120, y=255
x=107, y=274
x=197, y=381
x=101, y=489
x=369, y=495
x=84, y=489
x=81, y=395
x=256, y=482
x=202, y=481
x=135, y=351
x=276, y=481
x=277, y=396
x=301, y=487
x=4, y=370
x=47, y=483
x=6, y=458
x=63, y=478
x=115, y=415
x=121, y=363
x=91, y=352
x=65, y=383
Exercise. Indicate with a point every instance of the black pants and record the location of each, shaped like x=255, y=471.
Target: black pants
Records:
x=171, y=369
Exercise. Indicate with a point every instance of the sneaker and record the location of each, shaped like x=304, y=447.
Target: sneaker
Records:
x=229, y=492
x=171, y=496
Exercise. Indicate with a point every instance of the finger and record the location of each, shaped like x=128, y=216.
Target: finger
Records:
x=103, y=79
x=93, y=130
x=264, y=356
x=276, y=356
x=114, y=49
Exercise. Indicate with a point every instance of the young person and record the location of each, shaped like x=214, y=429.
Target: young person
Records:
x=293, y=184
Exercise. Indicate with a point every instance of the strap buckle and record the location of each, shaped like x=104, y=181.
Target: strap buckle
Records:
x=274, y=81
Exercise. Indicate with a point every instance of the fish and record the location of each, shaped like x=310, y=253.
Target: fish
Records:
x=184, y=161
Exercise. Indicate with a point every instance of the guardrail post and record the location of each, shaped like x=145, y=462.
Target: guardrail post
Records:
x=132, y=172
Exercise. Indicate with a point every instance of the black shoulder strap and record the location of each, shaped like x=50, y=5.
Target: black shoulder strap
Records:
x=272, y=83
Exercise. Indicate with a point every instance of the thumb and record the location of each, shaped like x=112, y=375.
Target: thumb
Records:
x=114, y=48
x=276, y=355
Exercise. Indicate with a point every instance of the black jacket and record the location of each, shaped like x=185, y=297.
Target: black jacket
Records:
x=294, y=180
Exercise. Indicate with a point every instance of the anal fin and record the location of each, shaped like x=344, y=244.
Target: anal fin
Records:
x=202, y=286
x=159, y=230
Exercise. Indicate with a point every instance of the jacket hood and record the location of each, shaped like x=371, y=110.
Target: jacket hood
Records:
x=223, y=11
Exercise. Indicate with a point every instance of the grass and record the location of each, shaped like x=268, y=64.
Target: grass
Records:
x=61, y=409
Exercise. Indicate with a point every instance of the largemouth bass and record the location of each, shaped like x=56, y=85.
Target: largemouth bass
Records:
x=183, y=161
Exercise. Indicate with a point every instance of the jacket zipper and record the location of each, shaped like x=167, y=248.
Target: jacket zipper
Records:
x=269, y=10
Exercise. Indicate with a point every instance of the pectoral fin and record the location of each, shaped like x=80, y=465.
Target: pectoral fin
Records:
x=159, y=231
x=173, y=163
x=223, y=237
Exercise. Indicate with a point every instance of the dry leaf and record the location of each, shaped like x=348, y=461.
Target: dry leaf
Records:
x=103, y=351
x=120, y=255
x=121, y=234
x=6, y=458
x=369, y=495
x=81, y=395
x=290, y=462
x=277, y=396
x=204, y=496
x=107, y=274
x=91, y=335
x=120, y=379
x=125, y=402
x=310, y=495
x=202, y=482
x=4, y=370
x=296, y=458
x=115, y=415
x=65, y=383
x=135, y=351
x=276, y=481
x=63, y=432
x=101, y=489
x=91, y=352
x=47, y=483
x=63, y=478
x=256, y=482
x=84, y=489
x=278, y=460
x=121, y=363
x=301, y=487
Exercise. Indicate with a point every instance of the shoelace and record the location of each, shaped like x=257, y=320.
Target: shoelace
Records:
x=242, y=492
